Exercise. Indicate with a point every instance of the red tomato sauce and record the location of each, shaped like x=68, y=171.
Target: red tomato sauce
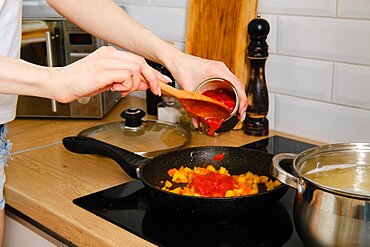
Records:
x=212, y=185
x=214, y=123
x=225, y=97
x=219, y=156
x=208, y=114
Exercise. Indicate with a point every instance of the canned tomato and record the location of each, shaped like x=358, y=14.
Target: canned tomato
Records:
x=221, y=90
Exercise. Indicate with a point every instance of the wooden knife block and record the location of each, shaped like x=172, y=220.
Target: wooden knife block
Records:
x=217, y=30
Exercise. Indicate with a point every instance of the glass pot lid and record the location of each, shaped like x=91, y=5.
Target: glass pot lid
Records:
x=144, y=137
x=343, y=168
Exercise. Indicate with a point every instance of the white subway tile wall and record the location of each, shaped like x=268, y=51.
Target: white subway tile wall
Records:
x=351, y=85
x=271, y=112
x=300, y=8
x=167, y=23
x=271, y=38
x=332, y=39
x=318, y=71
x=171, y=3
x=321, y=121
x=354, y=9
x=299, y=77
x=133, y=2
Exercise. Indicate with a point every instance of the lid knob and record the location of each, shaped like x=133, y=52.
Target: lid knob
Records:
x=133, y=117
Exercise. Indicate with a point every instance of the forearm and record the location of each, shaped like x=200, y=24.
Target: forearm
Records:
x=20, y=77
x=106, y=20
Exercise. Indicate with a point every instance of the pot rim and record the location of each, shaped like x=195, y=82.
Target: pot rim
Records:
x=325, y=149
x=230, y=122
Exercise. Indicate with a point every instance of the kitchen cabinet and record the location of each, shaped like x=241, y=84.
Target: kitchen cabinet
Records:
x=19, y=232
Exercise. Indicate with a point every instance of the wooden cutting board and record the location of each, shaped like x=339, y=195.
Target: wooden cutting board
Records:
x=217, y=29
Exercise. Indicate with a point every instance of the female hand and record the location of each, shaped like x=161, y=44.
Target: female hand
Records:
x=105, y=69
x=189, y=71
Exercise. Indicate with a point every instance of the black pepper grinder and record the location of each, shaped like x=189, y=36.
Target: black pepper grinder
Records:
x=256, y=123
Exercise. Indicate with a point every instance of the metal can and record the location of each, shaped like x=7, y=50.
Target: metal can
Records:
x=220, y=83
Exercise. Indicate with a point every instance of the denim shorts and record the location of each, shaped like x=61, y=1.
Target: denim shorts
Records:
x=5, y=146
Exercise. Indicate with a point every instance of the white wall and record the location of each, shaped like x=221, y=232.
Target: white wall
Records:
x=318, y=71
x=166, y=18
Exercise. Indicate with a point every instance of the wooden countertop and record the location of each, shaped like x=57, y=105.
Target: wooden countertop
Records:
x=43, y=177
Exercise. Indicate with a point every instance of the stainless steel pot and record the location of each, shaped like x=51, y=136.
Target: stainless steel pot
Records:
x=325, y=215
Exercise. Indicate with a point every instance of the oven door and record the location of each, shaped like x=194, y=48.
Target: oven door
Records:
x=42, y=44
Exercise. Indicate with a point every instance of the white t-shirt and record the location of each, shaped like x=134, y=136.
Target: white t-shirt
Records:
x=10, y=43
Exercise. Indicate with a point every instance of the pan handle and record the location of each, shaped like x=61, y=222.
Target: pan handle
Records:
x=127, y=160
x=285, y=177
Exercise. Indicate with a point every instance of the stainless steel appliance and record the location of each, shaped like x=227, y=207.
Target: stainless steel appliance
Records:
x=58, y=42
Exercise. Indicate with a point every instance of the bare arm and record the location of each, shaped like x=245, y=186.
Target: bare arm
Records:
x=105, y=69
x=106, y=20
x=20, y=77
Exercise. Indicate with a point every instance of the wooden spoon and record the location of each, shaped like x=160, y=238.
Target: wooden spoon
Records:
x=196, y=103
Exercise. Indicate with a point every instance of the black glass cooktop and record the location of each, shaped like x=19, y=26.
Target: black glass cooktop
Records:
x=128, y=206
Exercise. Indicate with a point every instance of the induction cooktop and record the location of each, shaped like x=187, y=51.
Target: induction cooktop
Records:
x=128, y=206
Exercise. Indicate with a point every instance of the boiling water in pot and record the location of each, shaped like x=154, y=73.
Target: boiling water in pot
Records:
x=348, y=177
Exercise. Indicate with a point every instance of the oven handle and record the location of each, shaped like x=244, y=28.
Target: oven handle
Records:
x=50, y=59
x=79, y=54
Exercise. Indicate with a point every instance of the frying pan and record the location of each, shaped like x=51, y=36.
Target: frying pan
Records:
x=152, y=172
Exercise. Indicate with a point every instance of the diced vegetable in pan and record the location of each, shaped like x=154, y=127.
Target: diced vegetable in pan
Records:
x=210, y=182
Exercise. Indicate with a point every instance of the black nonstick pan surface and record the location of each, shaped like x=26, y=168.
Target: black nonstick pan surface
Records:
x=152, y=172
